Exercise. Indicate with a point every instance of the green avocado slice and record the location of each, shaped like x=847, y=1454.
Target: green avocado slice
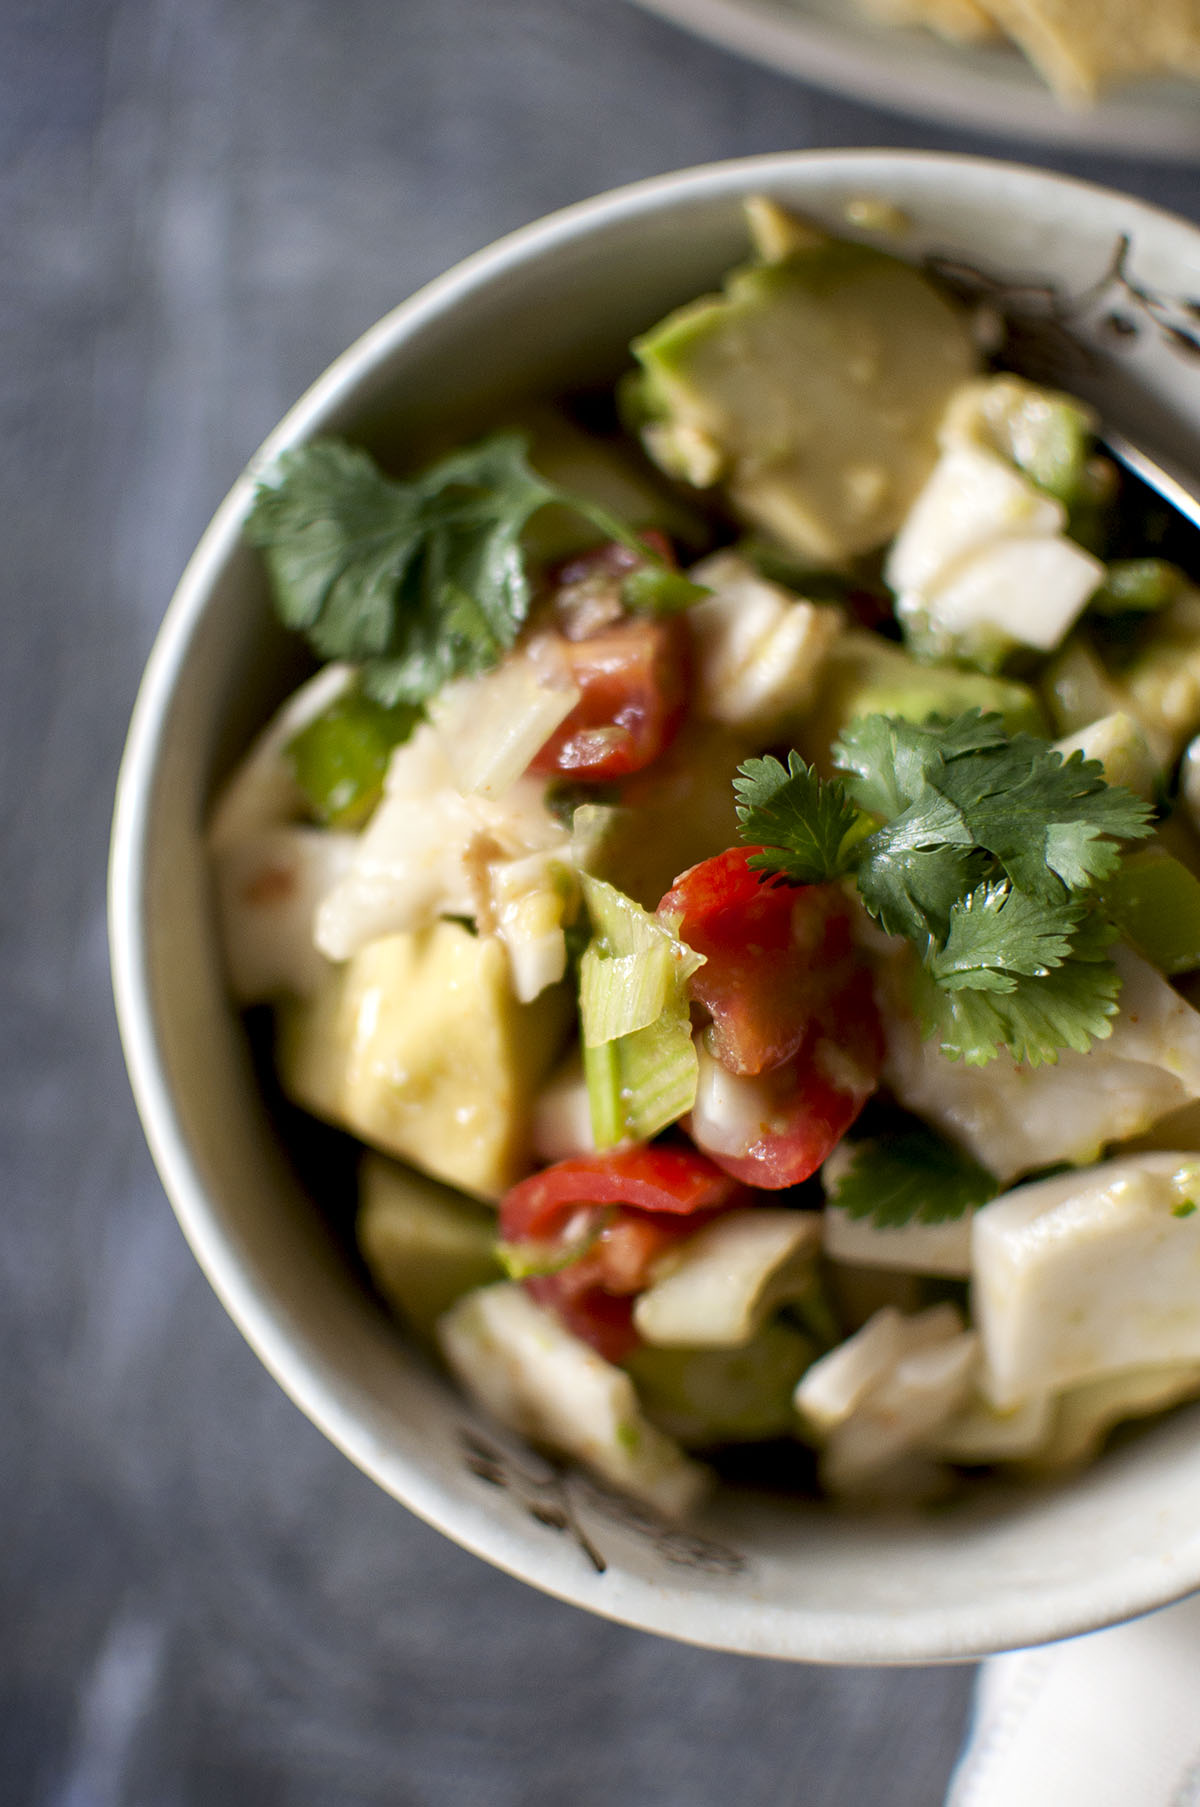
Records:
x=867, y=675
x=810, y=390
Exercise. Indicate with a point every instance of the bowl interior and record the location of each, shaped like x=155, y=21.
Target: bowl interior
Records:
x=553, y=309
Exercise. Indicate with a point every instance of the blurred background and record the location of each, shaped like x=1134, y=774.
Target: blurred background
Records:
x=202, y=1603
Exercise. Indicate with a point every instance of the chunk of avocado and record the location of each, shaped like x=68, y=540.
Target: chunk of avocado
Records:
x=1119, y=743
x=418, y=1045
x=1042, y=432
x=423, y=1244
x=708, y=1396
x=811, y=389
x=1162, y=680
x=1076, y=688
x=1155, y=902
x=679, y=811
x=866, y=675
x=1155, y=678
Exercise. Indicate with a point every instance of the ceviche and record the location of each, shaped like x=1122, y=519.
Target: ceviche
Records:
x=734, y=868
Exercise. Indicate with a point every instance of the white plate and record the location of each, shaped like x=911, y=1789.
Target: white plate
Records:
x=989, y=88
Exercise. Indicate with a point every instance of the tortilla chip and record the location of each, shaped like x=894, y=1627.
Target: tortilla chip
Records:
x=963, y=20
x=1081, y=45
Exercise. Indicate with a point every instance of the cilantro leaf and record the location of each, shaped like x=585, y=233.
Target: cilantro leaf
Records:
x=911, y=1176
x=889, y=760
x=418, y=581
x=804, y=824
x=986, y=857
x=1044, y=818
x=911, y=891
x=997, y=934
x=912, y=870
x=1069, y=1006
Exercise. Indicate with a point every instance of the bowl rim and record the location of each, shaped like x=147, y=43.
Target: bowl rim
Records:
x=939, y=1633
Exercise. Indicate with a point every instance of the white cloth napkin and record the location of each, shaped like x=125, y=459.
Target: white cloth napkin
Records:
x=1107, y=1720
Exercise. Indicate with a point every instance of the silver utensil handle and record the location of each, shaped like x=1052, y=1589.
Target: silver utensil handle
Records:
x=1174, y=485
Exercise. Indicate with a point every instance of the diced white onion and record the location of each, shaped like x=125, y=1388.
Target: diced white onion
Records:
x=531, y=1374
x=268, y=890
x=837, y=1383
x=717, y=1289
x=428, y=849
x=972, y=498
x=732, y=1112
x=1014, y=1118
x=562, y=1115
x=912, y=1248
x=1088, y=1272
x=1031, y=588
x=490, y=727
x=899, y=1415
x=759, y=650
x=529, y=900
x=1082, y=1417
x=981, y=1433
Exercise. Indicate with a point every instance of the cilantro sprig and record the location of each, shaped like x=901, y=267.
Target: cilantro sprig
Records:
x=805, y=826
x=984, y=849
x=910, y=1176
x=425, y=580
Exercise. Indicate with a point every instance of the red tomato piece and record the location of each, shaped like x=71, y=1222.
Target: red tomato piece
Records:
x=662, y=1178
x=632, y=677
x=586, y=591
x=776, y=954
x=596, y=1317
x=639, y=1201
x=594, y=1295
x=776, y=1128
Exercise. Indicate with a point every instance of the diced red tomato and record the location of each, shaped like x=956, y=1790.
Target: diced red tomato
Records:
x=776, y=955
x=633, y=682
x=639, y=1200
x=594, y=1295
x=596, y=1317
x=663, y=1178
x=794, y=1043
x=586, y=591
x=776, y=1128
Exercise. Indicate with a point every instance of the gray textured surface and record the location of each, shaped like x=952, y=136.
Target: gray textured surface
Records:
x=201, y=1602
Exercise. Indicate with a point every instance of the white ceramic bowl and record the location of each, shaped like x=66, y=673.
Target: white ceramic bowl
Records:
x=548, y=308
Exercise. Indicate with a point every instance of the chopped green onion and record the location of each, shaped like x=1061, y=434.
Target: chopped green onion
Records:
x=639, y=1062
x=1053, y=445
x=533, y=1260
x=656, y=590
x=341, y=758
x=1137, y=586
x=659, y=1072
x=631, y=967
x=623, y=926
x=602, y=1074
x=619, y=994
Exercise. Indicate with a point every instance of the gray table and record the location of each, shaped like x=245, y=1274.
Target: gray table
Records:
x=201, y=1603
